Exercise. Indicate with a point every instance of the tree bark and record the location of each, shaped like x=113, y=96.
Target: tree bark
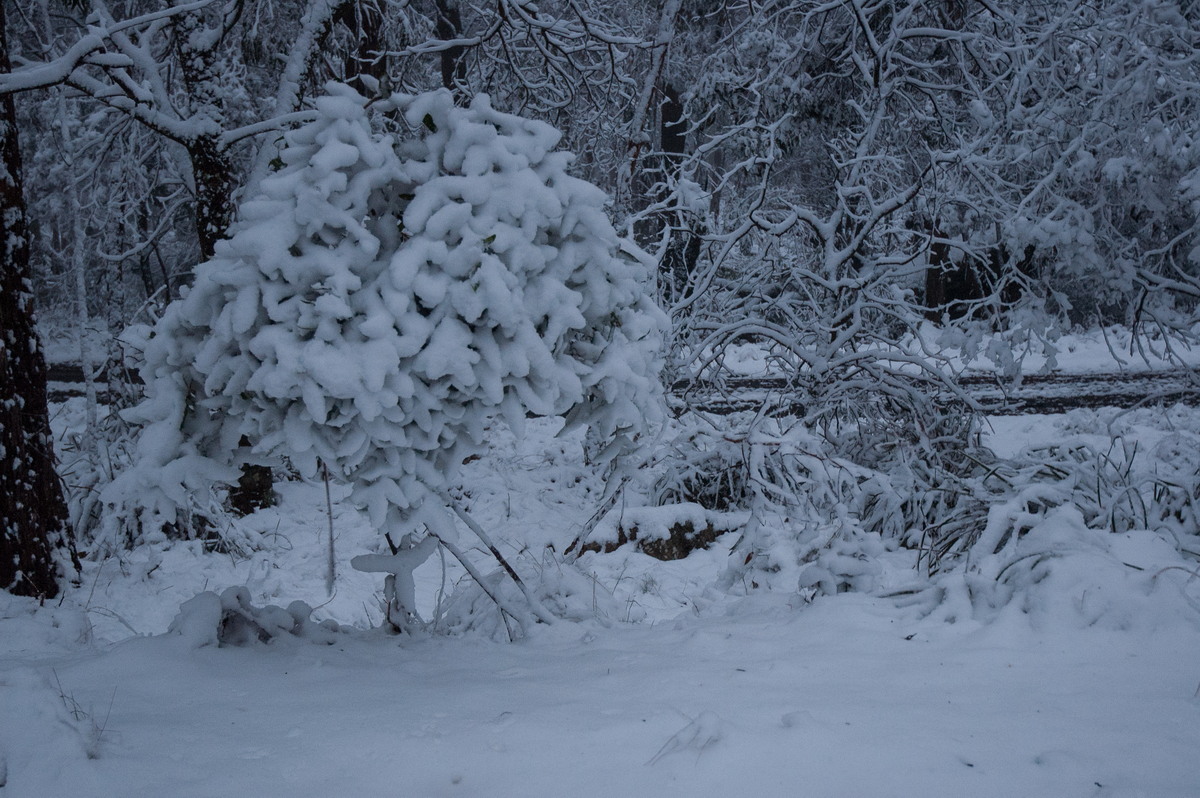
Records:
x=33, y=513
x=212, y=167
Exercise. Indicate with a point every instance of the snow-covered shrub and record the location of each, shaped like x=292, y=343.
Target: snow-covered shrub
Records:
x=703, y=467
x=381, y=301
x=1078, y=522
x=1110, y=487
x=987, y=532
x=94, y=446
x=800, y=503
x=1122, y=485
x=1116, y=486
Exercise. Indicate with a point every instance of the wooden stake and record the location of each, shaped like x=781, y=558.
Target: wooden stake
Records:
x=331, y=573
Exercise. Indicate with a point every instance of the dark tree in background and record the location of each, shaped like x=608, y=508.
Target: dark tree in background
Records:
x=33, y=514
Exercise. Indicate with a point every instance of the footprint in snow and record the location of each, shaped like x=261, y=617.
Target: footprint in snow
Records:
x=700, y=733
x=800, y=717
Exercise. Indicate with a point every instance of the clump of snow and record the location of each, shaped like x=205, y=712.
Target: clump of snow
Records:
x=400, y=593
x=199, y=620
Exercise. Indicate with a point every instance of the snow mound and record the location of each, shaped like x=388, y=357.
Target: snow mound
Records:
x=230, y=619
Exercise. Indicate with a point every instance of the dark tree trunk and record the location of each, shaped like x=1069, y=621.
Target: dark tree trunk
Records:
x=990, y=284
x=211, y=167
x=454, y=71
x=255, y=488
x=674, y=128
x=682, y=253
x=365, y=20
x=33, y=514
x=945, y=282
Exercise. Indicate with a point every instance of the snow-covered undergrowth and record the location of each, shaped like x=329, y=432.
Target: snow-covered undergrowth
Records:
x=1053, y=657
x=1083, y=485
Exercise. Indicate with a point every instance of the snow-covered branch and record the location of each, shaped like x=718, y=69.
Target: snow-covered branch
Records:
x=85, y=50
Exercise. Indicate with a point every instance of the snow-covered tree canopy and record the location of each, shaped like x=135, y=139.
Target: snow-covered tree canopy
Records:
x=385, y=297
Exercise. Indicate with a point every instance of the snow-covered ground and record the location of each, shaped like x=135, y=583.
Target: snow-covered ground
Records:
x=666, y=686
x=848, y=697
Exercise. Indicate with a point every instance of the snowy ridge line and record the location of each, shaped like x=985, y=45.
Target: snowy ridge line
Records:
x=59, y=392
x=1037, y=393
x=73, y=373
x=972, y=380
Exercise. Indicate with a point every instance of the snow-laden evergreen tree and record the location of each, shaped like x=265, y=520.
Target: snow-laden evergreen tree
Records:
x=385, y=297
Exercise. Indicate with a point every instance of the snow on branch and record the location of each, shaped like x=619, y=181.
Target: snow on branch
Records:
x=52, y=73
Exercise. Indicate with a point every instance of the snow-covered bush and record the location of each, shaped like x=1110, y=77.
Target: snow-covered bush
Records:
x=1061, y=571
x=1112, y=487
x=97, y=446
x=383, y=299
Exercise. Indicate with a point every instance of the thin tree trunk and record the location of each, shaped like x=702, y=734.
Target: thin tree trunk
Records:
x=365, y=20
x=315, y=25
x=79, y=274
x=683, y=249
x=638, y=139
